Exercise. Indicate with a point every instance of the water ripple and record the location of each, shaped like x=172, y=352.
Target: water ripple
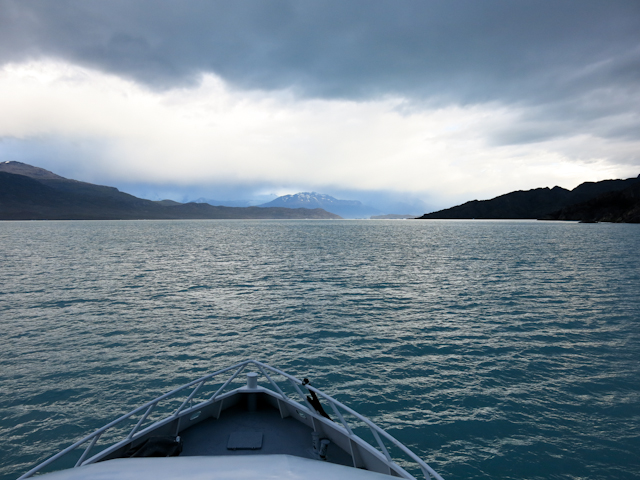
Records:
x=493, y=349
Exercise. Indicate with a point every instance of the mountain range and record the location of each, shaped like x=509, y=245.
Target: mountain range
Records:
x=344, y=208
x=32, y=193
x=605, y=201
x=247, y=202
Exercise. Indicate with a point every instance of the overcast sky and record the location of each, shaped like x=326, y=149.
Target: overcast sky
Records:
x=434, y=101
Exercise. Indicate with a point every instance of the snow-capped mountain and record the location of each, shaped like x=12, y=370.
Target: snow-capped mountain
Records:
x=344, y=208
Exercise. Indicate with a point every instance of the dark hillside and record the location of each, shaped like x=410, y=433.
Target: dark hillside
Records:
x=36, y=194
x=23, y=198
x=618, y=206
x=520, y=204
x=539, y=203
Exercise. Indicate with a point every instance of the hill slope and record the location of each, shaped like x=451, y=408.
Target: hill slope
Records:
x=540, y=203
x=37, y=194
x=621, y=206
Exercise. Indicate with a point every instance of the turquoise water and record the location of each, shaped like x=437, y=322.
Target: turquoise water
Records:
x=493, y=349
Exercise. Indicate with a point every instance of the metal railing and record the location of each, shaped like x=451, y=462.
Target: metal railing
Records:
x=187, y=407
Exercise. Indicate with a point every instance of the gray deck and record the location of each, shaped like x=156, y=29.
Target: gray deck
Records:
x=279, y=435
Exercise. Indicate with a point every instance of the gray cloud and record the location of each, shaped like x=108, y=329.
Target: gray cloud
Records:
x=463, y=51
x=604, y=111
x=570, y=68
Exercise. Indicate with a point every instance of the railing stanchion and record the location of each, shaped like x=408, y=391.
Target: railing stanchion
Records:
x=238, y=372
x=87, y=450
x=142, y=419
x=275, y=385
x=382, y=446
x=344, y=422
x=302, y=395
x=195, y=390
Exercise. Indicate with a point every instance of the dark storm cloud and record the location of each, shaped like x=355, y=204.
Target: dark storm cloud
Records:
x=469, y=51
x=577, y=62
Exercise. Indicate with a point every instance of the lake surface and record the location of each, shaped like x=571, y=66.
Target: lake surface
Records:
x=503, y=350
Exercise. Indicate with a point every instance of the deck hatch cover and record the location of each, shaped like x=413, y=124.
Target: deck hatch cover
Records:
x=245, y=441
